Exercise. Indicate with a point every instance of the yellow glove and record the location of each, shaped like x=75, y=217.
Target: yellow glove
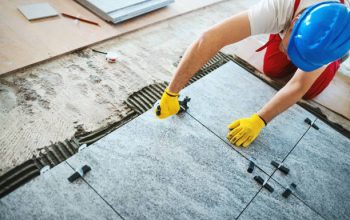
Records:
x=169, y=105
x=245, y=130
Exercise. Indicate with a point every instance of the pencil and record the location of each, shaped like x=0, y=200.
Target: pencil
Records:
x=80, y=19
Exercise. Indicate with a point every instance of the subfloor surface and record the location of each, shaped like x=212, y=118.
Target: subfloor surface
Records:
x=78, y=92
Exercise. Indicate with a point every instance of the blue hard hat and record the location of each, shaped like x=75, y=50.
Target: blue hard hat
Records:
x=321, y=35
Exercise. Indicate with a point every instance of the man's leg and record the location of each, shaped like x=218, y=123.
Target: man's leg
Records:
x=323, y=80
x=276, y=63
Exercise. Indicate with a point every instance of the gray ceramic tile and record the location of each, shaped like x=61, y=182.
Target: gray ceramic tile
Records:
x=118, y=11
x=51, y=196
x=109, y=6
x=36, y=11
x=168, y=169
x=273, y=206
x=230, y=93
x=320, y=166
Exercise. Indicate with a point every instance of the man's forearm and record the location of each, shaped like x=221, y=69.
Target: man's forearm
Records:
x=286, y=97
x=194, y=58
x=290, y=94
x=227, y=32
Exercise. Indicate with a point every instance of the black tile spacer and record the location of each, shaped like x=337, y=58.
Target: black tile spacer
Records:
x=282, y=168
x=183, y=104
x=315, y=126
x=309, y=122
x=261, y=181
x=158, y=110
x=251, y=167
x=287, y=192
x=268, y=187
x=79, y=173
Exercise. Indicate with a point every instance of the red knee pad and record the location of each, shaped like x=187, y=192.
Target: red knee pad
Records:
x=276, y=63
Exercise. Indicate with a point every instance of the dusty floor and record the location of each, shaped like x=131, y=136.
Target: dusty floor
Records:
x=51, y=101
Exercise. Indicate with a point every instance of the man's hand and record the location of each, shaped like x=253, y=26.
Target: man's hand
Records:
x=169, y=105
x=245, y=130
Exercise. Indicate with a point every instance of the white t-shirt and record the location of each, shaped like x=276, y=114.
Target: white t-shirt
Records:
x=274, y=16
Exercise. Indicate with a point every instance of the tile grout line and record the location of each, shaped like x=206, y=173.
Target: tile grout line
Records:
x=98, y=193
x=291, y=150
x=312, y=209
x=249, y=203
x=269, y=176
x=228, y=145
x=297, y=142
x=231, y=148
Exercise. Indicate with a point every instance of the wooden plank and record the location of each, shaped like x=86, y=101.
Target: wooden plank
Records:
x=335, y=97
x=25, y=43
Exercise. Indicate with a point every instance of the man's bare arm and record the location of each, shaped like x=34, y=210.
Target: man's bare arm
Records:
x=227, y=32
x=290, y=94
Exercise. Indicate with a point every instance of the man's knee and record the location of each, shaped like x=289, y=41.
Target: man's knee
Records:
x=271, y=71
x=275, y=68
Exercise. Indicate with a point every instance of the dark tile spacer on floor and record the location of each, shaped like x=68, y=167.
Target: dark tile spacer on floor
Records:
x=309, y=122
x=158, y=110
x=79, y=173
x=251, y=167
x=287, y=192
x=183, y=104
x=315, y=126
x=261, y=181
x=282, y=168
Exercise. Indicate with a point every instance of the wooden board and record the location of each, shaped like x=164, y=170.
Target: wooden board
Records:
x=24, y=42
x=335, y=97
